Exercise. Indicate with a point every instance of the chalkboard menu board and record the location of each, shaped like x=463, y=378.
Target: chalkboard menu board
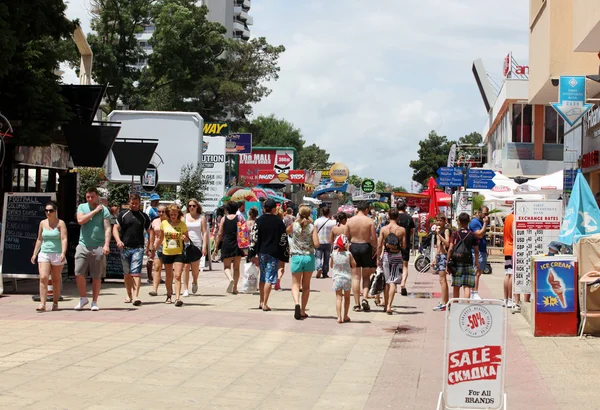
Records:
x=22, y=215
x=114, y=266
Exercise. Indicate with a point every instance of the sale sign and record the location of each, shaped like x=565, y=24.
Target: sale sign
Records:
x=275, y=162
x=474, y=355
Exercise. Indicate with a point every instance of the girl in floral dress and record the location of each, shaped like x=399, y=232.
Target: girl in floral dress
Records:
x=341, y=265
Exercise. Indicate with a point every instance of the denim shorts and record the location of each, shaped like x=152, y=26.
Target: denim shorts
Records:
x=268, y=266
x=303, y=263
x=132, y=259
x=482, y=260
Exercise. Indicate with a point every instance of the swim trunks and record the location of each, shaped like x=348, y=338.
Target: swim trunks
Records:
x=363, y=255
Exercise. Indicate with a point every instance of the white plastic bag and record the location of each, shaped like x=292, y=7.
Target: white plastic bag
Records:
x=202, y=263
x=250, y=279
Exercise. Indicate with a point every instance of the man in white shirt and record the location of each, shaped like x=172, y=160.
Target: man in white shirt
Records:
x=323, y=225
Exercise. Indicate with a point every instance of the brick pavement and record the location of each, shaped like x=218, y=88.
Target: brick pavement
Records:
x=220, y=351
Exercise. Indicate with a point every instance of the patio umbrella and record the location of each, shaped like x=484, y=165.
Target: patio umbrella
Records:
x=433, y=206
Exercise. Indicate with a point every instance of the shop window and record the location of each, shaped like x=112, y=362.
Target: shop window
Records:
x=522, y=124
x=554, y=126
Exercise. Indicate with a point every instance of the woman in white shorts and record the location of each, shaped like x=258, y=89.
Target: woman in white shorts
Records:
x=51, y=251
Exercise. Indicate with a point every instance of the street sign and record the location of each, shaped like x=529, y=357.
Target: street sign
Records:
x=569, y=179
x=450, y=181
x=571, y=97
x=450, y=171
x=481, y=173
x=480, y=183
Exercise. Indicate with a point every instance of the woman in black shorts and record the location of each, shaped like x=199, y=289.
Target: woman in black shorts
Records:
x=230, y=252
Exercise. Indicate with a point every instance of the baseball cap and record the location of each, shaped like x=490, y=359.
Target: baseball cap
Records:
x=270, y=204
x=155, y=197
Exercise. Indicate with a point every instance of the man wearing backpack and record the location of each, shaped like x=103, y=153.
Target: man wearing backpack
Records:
x=478, y=226
x=463, y=245
x=406, y=221
x=392, y=240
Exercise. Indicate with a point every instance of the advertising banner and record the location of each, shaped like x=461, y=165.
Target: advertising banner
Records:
x=423, y=224
x=294, y=176
x=537, y=223
x=474, y=360
x=53, y=156
x=464, y=203
x=273, y=160
x=239, y=144
x=412, y=200
x=213, y=172
x=555, y=284
x=213, y=129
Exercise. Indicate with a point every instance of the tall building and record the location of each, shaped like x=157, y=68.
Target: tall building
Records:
x=232, y=14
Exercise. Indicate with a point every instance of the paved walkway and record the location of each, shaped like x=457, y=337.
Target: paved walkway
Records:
x=219, y=351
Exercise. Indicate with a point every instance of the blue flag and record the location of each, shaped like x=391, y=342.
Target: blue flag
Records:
x=582, y=216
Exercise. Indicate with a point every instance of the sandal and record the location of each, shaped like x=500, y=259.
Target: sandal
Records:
x=127, y=300
x=365, y=305
x=54, y=307
x=41, y=308
x=304, y=316
x=168, y=301
x=356, y=308
x=152, y=293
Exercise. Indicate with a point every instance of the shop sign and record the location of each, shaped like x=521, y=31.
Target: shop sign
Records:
x=465, y=203
x=591, y=119
x=215, y=128
x=339, y=173
x=589, y=160
x=272, y=160
x=474, y=360
x=555, y=285
x=239, y=144
x=294, y=176
x=53, y=156
x=537, y=223
x=412, y=200
x=213, y=172
x=368, y=186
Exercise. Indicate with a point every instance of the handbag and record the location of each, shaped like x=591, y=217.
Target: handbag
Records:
x=377, y=284
x=192, y=253
x=243, y=235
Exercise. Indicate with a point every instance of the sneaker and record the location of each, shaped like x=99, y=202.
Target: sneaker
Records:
x=440, y=307
x=403, y=292
x=95, y=307
x=82, y=303
x=230, y=287
x=186, y=293
x=137, y=302
x=194, y=288
x=475, y=296
x=516, y=308
x=509, y=303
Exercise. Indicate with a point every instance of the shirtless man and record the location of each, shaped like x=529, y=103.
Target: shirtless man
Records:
x=363, y=247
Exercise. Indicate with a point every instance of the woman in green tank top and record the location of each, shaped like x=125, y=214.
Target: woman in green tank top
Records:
x=50, y=250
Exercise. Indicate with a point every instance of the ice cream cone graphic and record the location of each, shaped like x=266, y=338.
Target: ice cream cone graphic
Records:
x=558, y=287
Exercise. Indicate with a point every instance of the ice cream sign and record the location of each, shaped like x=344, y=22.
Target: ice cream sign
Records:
x=555, y=287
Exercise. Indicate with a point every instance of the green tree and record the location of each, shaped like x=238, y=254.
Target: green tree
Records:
x=381, y=186
x=191, y=184
x=355, y=180
x=433, y=154
x=31, y=39
x=89, y=178
x=116, y=48
x=473, y=138
x=399, y=188
x=118, y=194
x=313, y=157
x=274, y=132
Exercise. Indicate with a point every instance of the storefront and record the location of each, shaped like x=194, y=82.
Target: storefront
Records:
x=590, y=164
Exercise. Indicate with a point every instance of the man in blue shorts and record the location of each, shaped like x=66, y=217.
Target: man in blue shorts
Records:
x=478, y=226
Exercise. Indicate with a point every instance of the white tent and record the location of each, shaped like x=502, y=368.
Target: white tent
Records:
x=546, y=184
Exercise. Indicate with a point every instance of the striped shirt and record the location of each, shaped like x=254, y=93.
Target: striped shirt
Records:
x=324, y=226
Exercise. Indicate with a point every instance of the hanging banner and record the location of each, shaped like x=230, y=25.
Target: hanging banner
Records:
x=213, y=171
x=475, y=355
x=537, y=223
x=294, y=176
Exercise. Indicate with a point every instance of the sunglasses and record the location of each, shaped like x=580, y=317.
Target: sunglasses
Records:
x=161, y=212
x=49, y=211
x=192, y=206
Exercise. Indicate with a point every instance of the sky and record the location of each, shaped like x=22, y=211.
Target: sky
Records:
x=366, y=80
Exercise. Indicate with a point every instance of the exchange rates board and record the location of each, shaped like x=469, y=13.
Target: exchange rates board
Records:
x=20, y=222
x=537, y=223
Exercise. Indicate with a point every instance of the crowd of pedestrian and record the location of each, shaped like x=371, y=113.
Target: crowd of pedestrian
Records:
x=346, y=249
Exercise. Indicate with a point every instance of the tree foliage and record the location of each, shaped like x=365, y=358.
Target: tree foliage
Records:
x=31, y=50
x=118, y=194
x=473, y=138
x=355, y=180
x=433, y=154
x=191, y=184
x=89, y=178
x=313, y=157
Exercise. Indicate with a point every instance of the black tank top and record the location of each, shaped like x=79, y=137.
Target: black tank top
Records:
x=230, y=232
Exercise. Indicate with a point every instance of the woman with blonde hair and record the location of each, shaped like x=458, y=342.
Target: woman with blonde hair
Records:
x=50, y=250
x=304, y=240
x=198, y=234
x=173, y=234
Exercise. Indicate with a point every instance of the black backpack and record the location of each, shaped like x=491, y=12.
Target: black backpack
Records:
x=392, y=243
x=462, y=253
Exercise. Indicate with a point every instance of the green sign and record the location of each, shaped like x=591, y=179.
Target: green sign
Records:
x=368, y=186
x=216, y=128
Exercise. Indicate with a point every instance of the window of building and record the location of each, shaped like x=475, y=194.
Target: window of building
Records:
x=554, y=126
x=522, y=123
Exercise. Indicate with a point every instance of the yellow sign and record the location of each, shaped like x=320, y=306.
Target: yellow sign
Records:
x=339, y=172
x=216, y=128
x=324, y=174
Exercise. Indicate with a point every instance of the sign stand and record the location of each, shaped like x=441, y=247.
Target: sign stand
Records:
x=474, y=364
